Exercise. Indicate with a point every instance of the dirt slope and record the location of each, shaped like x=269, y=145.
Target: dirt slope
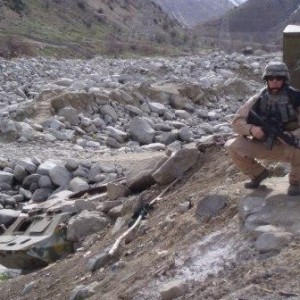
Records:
x=213, y=256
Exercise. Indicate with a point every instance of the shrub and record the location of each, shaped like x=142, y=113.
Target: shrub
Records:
x=16, y=5
x=81, y=5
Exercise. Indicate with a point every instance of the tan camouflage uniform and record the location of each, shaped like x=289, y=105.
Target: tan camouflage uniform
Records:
x=246, y=151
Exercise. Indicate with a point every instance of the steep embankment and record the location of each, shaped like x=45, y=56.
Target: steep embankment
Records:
x=175, y=251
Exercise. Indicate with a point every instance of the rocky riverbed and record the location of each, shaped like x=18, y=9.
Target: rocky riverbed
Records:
x=134, y=125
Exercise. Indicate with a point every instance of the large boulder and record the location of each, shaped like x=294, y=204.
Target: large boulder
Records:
x=84, y=224
x=141, y=131
x=176, y=165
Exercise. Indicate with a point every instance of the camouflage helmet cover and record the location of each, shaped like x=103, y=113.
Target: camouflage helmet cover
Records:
x=276, y=69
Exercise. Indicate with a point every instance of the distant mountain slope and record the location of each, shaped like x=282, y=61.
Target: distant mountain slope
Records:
x=255, y=21
x=85, y=27
x=193, y=12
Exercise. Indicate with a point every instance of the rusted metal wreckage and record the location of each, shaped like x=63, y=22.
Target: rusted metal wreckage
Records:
x=35, y=241
x=39, y=237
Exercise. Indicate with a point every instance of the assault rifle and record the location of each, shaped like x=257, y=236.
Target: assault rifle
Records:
x=273, y=130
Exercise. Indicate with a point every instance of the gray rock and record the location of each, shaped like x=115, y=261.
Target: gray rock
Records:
x=53, y=123
x=272, y=241
x=71, y=164
x=85, y=121
x=182, y=114
x=8, y=131
x=41, y=195
x=176, y=165
x=210, y=206
x=105, y=206
x=108, y=168
x=25, y=130
x=84, y=224
x=45, y=167
x=116, y=211
x=98, y=261
x=27, y=194
x=93, y=144
x=45, y=182
x=64, y=82
x=173, y=290
x=30, y=179
x=60, y=175
x=82, y=172
x=112, y=143
x=94, y=172
x=167, y=138
x=141, y=131
x=82, y=204
x=154, y=147
x=185, y=134
x=81, y=292
x=109, y=110
x=6, y=177
x=78, y=184
x=70, y=114
x=118, y=135
x=135, y=111
x=28, y=164
x=20, y=173
x=59, y=135
x=116, y=191
x=157, y=108
x=28, y=288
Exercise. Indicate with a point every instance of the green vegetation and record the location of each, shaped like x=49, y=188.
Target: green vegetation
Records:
x=4, y=276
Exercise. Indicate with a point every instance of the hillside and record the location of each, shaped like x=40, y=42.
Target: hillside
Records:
x=253, y=22
x=84, y=28
x=193, y=12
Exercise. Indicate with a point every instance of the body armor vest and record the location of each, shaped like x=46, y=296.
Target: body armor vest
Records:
x=280, y=107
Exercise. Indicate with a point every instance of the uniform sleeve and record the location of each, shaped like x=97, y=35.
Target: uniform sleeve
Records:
x=239, y=123
x=296, y=132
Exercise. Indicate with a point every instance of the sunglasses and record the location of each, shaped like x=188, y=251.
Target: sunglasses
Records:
x=277, y=78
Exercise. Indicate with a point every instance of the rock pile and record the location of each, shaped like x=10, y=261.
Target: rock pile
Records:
x=128, y=105
x=30, y=178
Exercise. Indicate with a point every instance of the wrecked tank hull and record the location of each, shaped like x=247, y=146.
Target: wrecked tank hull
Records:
x=35, y=241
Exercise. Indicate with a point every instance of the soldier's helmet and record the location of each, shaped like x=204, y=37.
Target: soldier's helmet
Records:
x=276, y=69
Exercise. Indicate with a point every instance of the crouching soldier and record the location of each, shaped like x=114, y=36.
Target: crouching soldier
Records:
x=277, y=110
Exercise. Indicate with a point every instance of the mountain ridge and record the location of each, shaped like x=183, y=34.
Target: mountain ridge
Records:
x=192, y=12
x=254, y=22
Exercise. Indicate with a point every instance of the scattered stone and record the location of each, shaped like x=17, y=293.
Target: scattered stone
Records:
x=172, y=290
x=210, y=206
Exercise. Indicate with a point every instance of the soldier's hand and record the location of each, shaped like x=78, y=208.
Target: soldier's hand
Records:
x=257, y=132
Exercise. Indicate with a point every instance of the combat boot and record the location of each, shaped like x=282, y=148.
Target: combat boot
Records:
x=255, y=183
x=294, y=190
